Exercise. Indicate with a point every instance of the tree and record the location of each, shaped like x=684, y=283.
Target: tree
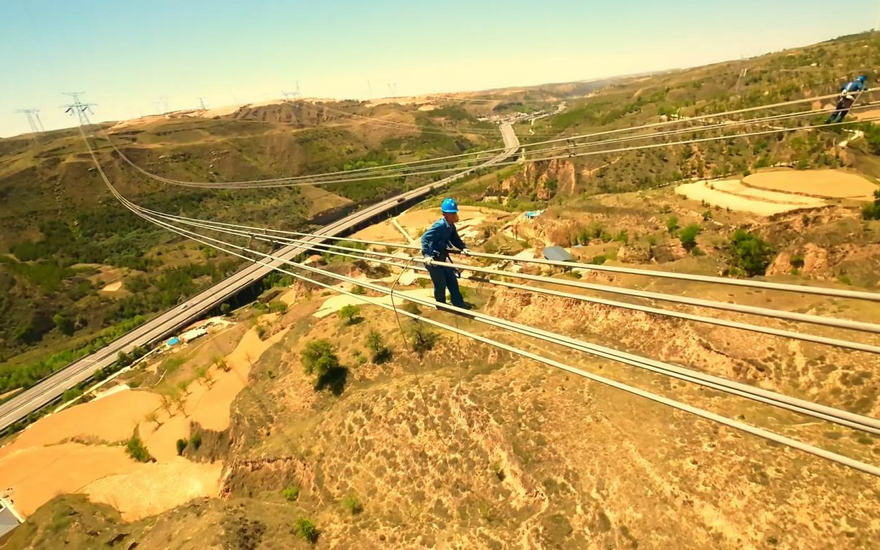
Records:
x=153, y=417
x=136, y=449
x=305, y=529
x=319, y=357
x=291, y=493
x=220, y=362
x=63, y=324
x=181, y=446
x=375, y=343
x=349, y=312
x=672, y=225
x=688, y=236
x=423, y=339
x=872, y=211
x=353, y=504
x=748, y=254
x=225, y=308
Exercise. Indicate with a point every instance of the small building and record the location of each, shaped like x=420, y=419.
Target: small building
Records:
x=557, y=254
x=9, y=519
x=173, y=341
x=191, y=335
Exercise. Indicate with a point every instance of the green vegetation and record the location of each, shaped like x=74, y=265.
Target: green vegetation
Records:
x=688, y=236
x=195, y=440
x=63, y=323
x=376, y=344
x=349, y=313
x=181, y=446
x=306, y=530
x=137, y=450
x=352, y=504
x=672, y=225
x=599, y=260
x=291, y=493
x=422, y=338
x=749, y=255
x=24, y=376
x=277, y=306
x=358, y=290
x=872, y=211
x=319, y=358
x=71, y=394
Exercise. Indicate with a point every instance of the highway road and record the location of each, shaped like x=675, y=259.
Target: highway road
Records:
x=52, y=387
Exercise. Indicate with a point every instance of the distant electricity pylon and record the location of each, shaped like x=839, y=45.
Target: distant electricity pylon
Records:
x=392, y=87
x=33, y=118
x=295, y=94
x=78, y=108
x=202, y=104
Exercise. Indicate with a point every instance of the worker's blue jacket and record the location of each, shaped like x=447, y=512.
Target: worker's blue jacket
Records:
x=437, y=239
x=854, y=86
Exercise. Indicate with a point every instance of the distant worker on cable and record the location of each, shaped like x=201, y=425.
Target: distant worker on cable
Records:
x=846, y=99
x=435, y=242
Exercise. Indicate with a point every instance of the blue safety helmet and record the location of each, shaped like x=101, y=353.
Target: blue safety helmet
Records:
x=449, y=206
x=862, y=79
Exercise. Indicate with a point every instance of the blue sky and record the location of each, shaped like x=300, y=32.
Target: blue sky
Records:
x=126, y=54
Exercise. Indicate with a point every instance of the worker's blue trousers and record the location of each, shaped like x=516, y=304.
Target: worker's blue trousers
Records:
x=444, y=277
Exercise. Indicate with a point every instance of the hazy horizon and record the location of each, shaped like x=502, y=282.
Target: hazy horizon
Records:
x=141, y=58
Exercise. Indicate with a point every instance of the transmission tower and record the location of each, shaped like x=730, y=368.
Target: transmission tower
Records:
x=392, y=87
x=295, y=94
x=33, y=119
x=79, y=109
x=202, y=104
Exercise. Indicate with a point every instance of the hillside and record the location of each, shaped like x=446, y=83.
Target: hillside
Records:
x=76, y=265
x=301, y=421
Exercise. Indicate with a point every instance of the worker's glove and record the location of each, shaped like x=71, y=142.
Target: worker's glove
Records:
x=466, y=252
x=428, y=260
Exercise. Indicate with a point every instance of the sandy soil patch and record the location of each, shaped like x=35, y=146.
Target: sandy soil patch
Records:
x=700, y=191
x=335, y=303
x=816, y=183
x=385, y=232
x=39, y=474
x=110, y=419
x=211, y=410
x=156, y=488
x=112, y=287
x=161, y=441
x=737, y=188
x=320, y=200
x=873, y=113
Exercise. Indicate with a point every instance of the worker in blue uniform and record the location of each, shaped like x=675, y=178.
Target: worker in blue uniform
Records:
x=847, y=97
x=435, y=243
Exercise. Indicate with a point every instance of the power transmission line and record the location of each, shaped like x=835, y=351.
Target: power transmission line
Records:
x=33, y=118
